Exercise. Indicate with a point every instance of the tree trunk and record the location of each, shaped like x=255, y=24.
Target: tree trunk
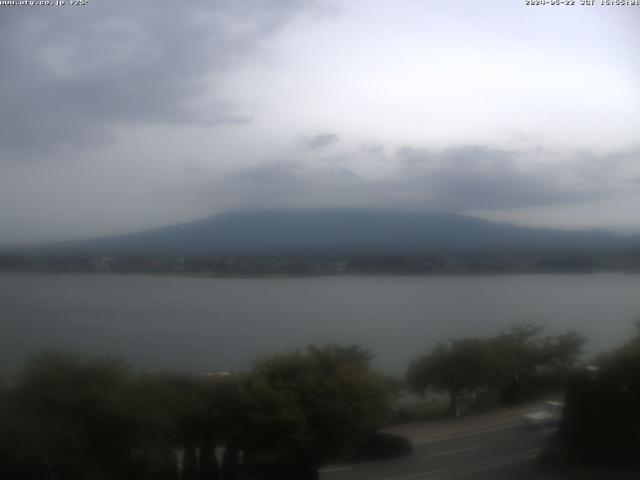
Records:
x=190, y=463
x=453, y=404
x=230, y=463
x=168, y=469
x=209, y=469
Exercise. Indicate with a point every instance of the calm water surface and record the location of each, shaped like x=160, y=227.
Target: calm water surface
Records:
x=222, y=324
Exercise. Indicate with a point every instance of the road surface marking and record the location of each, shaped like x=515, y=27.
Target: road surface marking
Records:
x=335, y=469
x=483, y=465
x=468, y=434
x=451, y=452
x=492, y=465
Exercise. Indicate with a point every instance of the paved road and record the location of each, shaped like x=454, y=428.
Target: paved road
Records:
x=505, y=452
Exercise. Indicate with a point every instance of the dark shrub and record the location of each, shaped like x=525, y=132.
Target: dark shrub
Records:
x=380, y=446
x=273, y=469
x=601, y=423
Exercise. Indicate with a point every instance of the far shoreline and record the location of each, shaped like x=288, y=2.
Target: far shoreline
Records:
x=275, y=276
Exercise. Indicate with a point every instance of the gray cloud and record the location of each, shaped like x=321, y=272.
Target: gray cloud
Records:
x=485, y=178
x=69, y=75
x=284, y=184
x=460, y=179
x=373, y=148
x=321, y=141
x=137, y=105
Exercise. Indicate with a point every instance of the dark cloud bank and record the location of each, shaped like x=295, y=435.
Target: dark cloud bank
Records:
x=69, y=74
x=458, y=179
x=321, y=141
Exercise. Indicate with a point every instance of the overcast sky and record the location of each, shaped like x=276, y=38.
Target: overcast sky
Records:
x=119, y=116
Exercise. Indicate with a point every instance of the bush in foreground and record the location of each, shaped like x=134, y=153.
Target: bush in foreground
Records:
x=381, y=446
x=71, y=418
x=601, y=421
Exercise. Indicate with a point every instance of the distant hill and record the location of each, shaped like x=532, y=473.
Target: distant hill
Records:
x=342, y=231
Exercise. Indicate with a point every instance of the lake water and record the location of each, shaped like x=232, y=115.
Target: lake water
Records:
x=198, y=324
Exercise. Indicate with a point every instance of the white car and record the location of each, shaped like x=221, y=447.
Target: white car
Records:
x=548, y=416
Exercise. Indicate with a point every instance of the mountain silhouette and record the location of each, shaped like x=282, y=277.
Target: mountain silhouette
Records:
x=342, y=231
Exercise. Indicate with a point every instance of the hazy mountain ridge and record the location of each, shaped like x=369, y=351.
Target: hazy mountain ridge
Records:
x=342, y=231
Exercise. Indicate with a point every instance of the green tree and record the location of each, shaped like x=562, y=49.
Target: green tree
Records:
x=601, y=420
x=522, y=358
x=224, y=422
x=190, y=463
x=209, y=469
x=563, y=352
x=171, y=415
x=461, y=368
x=507, y=366
x=312, y=406
x=69, y=420
x=517, y=352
